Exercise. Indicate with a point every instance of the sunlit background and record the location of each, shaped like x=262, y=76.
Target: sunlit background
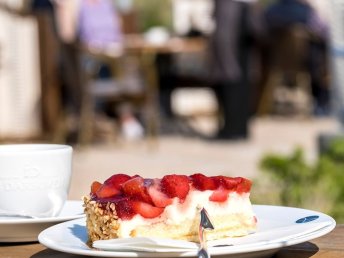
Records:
x=241, y=88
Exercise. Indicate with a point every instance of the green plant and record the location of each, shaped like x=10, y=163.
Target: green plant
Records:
x=318, y=186
x=154, y=13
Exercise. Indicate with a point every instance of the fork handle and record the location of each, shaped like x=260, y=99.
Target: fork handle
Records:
x=203, y=253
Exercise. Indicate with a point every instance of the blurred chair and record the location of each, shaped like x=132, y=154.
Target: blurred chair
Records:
x=287, y=63
x=111, y=91
x=50, y=105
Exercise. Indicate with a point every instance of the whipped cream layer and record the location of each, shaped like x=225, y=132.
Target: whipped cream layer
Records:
x=177, y=212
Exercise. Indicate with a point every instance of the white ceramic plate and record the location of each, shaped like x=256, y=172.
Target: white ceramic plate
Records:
x=277, y=227
x=15, y=229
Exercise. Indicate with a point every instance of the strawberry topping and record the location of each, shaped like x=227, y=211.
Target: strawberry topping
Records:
x=159, y=198
x=106, y=191
x=202, y=182
x=244, y=186
x=175, y=186
x=124, y=208
x=95, y=187
x=146, y=210
x=117, y=180
x=229, y=183
x=136, y=189
x=219, y=195
x=149, y=197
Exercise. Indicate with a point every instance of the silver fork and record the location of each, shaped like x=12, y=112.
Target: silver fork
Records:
x=204, y=224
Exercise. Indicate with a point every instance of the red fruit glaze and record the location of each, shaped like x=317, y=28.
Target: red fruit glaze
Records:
x=124, y=209
x=230, y=183
x=244, y=186
x=146, y=210
x=202, y=182
x=175, y=186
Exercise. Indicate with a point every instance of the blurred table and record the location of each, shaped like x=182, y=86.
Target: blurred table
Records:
x=328, y=246
x=138, y=44
x=148, y=51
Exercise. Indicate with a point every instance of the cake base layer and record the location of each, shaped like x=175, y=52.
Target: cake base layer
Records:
x=103, y=223
x=234, y=225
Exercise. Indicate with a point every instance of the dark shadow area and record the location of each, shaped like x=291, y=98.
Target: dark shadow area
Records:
x=51, y=253
x=303, y=250
x=17, y=244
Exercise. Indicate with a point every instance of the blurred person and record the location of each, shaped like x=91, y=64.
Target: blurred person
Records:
x=319, y=64
x=322, y=8
x=231, y=44
x=284, y=14
x=70, y=73
x=99, y=24
x=96, y=25
x=42, y=5
x=190, y=19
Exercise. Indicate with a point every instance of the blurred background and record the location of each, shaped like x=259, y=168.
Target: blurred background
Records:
x=240, y=88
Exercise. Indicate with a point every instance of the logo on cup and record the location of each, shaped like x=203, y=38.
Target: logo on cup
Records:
x=31, y=185
x=31, y=172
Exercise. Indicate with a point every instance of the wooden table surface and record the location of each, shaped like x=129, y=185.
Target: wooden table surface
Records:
x=328, y=246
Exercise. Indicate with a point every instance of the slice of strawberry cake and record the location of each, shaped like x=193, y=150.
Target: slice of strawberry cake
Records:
x=132, y=206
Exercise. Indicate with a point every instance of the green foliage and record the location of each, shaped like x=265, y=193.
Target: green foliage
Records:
x=319, y=186
x=154, y=13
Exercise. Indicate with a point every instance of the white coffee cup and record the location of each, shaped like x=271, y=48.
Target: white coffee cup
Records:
x=34, y=178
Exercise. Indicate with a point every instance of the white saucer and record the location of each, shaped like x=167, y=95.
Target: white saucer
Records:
x=14, y=229
x=277, y=227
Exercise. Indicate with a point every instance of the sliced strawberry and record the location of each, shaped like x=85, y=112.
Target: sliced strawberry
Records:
x=239, y=184
x=106, y=191
x=232, y=183
x=219, y=195
x=202, y=182
x=158, y=197
x=117, y=180
x=124, y=209
x=244, y=186
x=135, y=188
x=175, y=186
x=146, y=210
x=95, y=187
x=229, y=183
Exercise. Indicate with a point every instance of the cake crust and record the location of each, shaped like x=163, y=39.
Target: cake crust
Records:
x=101, y=222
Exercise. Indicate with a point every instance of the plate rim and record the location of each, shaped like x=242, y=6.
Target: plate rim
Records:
x=45, y=220
x=49, y=243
